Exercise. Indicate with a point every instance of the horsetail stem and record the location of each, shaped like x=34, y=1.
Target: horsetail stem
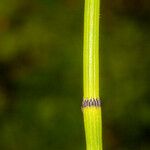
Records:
x=91, y=103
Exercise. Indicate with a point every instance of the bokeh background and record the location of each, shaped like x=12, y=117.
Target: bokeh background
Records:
x=41, y=74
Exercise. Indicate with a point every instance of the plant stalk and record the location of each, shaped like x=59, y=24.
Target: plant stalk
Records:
x=91, y=103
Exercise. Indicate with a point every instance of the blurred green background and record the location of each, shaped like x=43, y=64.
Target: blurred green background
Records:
x=41, y=74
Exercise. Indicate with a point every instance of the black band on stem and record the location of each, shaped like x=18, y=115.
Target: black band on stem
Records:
x=92, y=102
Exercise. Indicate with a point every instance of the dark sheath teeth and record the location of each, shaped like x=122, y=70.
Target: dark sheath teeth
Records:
x=91, y=103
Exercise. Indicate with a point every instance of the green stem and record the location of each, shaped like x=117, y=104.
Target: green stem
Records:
x=92, y=115
x=93, y=128
x=91, y=48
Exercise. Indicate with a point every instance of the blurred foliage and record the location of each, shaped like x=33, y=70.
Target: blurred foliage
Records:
x=41, y=74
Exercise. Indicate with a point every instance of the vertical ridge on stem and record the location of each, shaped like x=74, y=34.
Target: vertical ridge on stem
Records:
x=91, y=49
